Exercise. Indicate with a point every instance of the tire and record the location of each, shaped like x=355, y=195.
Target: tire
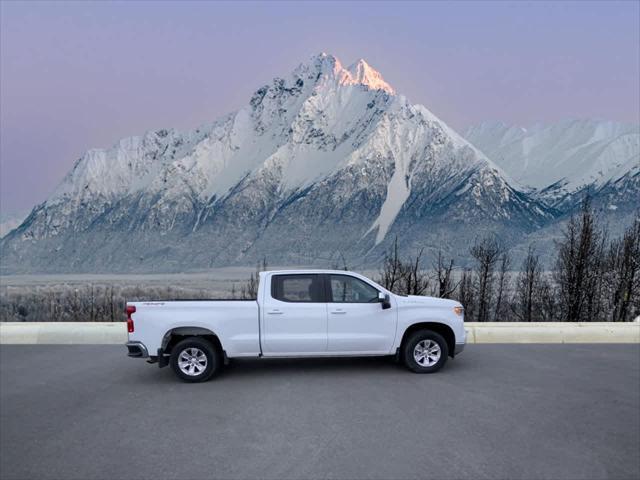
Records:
x=189, y=356
x=425, y=341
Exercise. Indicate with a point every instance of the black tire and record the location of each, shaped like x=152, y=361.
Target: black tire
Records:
x=209, y=350
x=417, y=337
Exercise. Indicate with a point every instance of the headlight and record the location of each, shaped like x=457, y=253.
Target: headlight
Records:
x=458, y=311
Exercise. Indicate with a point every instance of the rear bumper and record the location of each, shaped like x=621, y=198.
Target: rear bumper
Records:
x=459, y=348
x=137, y=350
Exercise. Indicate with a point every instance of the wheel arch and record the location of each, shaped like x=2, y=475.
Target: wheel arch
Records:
x=175, y=335
x=441, y=328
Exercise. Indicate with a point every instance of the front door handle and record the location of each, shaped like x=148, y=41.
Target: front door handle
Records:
x=275, y=312
x=338, y=312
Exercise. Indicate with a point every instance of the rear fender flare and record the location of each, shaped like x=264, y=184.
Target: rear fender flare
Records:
x=186, y=332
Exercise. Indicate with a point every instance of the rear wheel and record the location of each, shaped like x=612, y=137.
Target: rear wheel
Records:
x=195, y=359
x=425, y=352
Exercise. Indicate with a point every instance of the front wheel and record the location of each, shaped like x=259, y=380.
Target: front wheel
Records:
x=425, y=352
x=194, y=359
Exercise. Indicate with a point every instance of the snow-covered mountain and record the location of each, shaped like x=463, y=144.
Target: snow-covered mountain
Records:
x=563, y=161
x=328, y=160
x=9, y=221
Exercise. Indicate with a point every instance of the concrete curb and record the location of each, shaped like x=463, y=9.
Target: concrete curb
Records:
x=115, y=333
x=63, y=333
x=556, y=332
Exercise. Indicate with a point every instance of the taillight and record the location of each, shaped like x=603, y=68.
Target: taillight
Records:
x=130, y=309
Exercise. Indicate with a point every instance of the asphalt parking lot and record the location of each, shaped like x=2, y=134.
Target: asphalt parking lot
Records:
x=497, y=411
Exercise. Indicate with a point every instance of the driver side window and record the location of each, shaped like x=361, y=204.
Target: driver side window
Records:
x=347, y=289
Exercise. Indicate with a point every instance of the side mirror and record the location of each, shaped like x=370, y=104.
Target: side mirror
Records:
x=385, y=300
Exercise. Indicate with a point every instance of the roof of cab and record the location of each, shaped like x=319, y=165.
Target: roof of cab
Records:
x=305, y=270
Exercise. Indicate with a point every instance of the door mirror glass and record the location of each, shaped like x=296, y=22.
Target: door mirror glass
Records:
x=385, y=300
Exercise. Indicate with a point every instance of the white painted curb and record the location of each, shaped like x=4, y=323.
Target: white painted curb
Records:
x=115, y=333
x=63, y=333
x=552, y=332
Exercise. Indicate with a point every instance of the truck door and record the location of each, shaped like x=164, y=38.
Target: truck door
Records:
x=357, y=321
x=294, y=316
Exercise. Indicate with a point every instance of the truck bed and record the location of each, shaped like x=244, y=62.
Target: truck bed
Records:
x=237, y=321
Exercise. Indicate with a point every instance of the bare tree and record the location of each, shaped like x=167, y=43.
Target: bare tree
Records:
x=92, y=303
x=404, y=277
x=391, y=271
x=340, y=263
x=547, y=299
x=413, y=280
x=446, y=285
x=577, y=265
x=623, y=272
x=528, y=286
x=465, y=294
x=486, y=252
x=112, y=316
x=595, y=308
x=249, y=290
x=501, y=309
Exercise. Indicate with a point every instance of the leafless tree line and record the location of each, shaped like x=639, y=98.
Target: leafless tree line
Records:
x=82, y=303
x=592, y=278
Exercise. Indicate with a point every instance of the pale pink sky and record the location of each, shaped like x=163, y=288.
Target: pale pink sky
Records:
x=84, y=74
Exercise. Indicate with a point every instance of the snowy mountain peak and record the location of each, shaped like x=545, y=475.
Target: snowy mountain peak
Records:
x=324, y=62
x=362, y=73
x=359, y=73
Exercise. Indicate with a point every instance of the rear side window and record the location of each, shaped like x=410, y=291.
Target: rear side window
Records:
x=297, y=288
x=346, y=289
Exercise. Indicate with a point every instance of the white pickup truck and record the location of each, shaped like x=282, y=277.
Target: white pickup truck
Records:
x=297, y=313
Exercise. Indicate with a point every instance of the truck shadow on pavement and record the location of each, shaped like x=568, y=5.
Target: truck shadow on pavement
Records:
x=249, y=369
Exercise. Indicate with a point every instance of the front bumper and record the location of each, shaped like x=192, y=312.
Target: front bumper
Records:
x=137, y=350
x=459, y=348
